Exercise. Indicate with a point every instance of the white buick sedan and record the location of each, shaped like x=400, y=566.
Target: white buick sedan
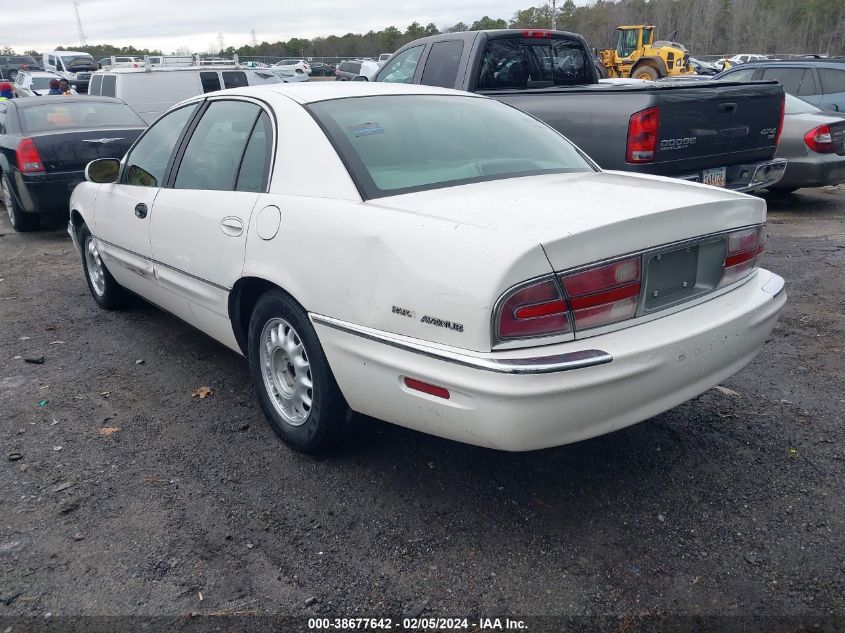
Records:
x=427, y=257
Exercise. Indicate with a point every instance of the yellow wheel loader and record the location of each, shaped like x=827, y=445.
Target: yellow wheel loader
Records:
x=637, y=55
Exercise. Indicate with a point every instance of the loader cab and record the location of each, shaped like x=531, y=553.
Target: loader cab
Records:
x=633, y=38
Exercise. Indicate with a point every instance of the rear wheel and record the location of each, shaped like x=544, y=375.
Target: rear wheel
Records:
x=295, y=386
x=20, y=221
x=106, y=291
x=646, y=72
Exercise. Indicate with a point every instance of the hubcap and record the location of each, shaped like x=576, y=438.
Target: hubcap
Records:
x=7, y=195
x=94, y=264
x=286, y=371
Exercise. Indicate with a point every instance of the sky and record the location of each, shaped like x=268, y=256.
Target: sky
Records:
x=171, y=24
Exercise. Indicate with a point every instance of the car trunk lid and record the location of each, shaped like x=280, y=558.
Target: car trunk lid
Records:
x=72, y=150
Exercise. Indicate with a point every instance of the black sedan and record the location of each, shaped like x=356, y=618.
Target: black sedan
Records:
x=45, y=144
x=319, y=69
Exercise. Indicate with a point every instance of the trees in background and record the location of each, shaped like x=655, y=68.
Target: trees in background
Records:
x=705, y=26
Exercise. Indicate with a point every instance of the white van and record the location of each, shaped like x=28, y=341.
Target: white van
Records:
x=74, y=66
x=153, y=89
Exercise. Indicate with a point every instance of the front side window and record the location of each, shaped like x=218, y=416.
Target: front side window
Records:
x=147, y=162
x=210, y=81
x=401, y=68
x=399, y=144
x=746, y=74
x=790, y=78
x=533, y=63
x=441, y=67
x=213, y=155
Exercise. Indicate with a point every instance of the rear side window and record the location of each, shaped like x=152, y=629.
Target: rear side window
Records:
x=533, y=63
x=401, y=68
x=213, y=156
x=441, y=67
x=210, y=81
x=255, y=165
x=354, y=67
x=234, y=79
x=96, y=85
x=832, y=80
x=109, y=86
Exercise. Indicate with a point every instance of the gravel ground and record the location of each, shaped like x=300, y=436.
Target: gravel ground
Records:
x=120, y=494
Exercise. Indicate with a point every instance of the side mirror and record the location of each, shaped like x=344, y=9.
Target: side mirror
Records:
x=103, y=170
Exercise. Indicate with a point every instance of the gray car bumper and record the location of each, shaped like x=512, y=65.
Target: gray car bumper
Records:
x=814, y=170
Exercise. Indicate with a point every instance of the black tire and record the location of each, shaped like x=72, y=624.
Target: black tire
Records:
x=645, y=72
x=113, y=294
x=20, y=221
x=328, y=418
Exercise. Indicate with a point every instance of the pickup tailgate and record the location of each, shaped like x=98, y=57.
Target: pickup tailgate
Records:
x=717, y=124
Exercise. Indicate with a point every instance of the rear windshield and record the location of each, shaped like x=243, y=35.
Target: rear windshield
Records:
x=516, y=63
x=83, y=114
x=399, y=144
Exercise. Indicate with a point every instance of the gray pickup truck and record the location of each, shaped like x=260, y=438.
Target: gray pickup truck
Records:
x=718, y=133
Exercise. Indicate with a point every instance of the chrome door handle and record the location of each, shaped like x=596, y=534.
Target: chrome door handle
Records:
x=232, y=226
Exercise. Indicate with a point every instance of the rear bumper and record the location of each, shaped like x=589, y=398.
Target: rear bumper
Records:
x=48, y=192
x=587, y=387
x=748, y=177
x=814, y=170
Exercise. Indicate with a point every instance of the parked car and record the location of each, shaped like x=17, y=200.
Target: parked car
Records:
x=119, y=62
x=75, y=66
x=667, y=129
x=441, y=263
x=289, y=76
x=297, y=65
x=383, y=58
x=813, y=143
x=45, y=143
x=702, y=68
x=152, y=91
x=320, y=69
x=32, y=84
x=356, y=70
x=818, y=81
x=745, y=58
x=11, y=64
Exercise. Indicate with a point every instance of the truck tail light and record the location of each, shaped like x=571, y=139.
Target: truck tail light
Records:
x=642, y=135
x=29, y=160
x=536, y=33
x=780, y=121
x=820, y=140
x=535, y=310
x=604, y=295
x=744, y=248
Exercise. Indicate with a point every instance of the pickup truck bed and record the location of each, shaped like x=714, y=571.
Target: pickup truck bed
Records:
x=722, y=133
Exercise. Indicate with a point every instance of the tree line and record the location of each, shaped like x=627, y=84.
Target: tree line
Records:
x=705, y=27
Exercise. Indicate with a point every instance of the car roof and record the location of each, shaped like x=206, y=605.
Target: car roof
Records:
x=308, y=92
x=30, y=102
x=833, y=61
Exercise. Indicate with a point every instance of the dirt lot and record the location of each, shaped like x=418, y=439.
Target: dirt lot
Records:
x=121, y=494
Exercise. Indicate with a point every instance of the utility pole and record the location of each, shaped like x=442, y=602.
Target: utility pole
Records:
x=253, y=38
x=554, y=15
x=82, y=39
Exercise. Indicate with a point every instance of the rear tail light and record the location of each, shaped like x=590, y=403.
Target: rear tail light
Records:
x=642, y=135
x=535, y=310
x=29, y=160
x=744, y=248
x=820, y=140
x=780, y=121
x=604, y=295
x=611, y=292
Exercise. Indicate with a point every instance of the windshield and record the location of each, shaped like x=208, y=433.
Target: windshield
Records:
x=79, y=114
x=399, y=144
x=77, y=60
x=794, y=105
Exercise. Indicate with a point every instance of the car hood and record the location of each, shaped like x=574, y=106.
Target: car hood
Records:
x=584, y=217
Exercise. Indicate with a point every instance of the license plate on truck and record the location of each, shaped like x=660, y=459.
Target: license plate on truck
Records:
x=716, y=177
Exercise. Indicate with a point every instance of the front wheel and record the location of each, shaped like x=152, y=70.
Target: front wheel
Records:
x=295, y=386
x=646, y=72
x=106, y=291
x=20, y=221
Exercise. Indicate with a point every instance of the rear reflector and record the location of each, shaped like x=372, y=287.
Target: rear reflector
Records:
x=29, y=160
x=642, y=135
x=424, y=387
x=820, y=140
